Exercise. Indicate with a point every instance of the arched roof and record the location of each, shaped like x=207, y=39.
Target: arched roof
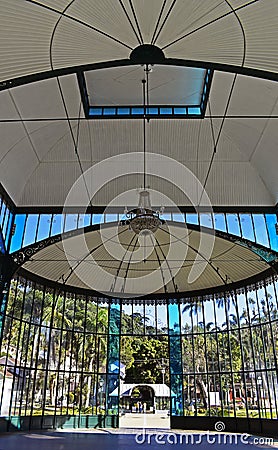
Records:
x=43, y=40
x=112, y=260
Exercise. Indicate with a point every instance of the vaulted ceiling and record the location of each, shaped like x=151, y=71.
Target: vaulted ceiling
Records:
x=47, y=143
x=127, y=264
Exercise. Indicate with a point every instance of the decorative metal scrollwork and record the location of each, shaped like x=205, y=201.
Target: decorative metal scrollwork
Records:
x=25, y=254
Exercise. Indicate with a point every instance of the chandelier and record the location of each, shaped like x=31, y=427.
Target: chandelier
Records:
x=144, y=220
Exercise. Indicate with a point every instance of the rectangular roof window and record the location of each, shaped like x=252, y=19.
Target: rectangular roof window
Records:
x=174, y=92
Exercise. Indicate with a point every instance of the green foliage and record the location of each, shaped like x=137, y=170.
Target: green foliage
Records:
x=53, y=332
x=144, y=356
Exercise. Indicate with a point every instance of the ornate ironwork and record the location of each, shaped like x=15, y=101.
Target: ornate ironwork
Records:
x=143, y=219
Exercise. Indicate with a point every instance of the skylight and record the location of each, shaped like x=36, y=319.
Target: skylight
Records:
x=174, y=92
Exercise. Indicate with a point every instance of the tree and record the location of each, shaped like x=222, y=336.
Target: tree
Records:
x=144, y=356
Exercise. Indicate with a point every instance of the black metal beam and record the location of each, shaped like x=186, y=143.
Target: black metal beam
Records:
x=26, y=79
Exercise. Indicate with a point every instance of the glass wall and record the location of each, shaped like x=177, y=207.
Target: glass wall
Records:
x=259, y=228
x=229, y=353
x=54, y=353
x=69, y=354
x=6, y=218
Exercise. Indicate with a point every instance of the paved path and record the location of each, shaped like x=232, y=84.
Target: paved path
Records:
x=115, y=440
x=133, y=420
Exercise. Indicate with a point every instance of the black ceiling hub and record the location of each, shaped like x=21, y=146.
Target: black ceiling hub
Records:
x=147, y=54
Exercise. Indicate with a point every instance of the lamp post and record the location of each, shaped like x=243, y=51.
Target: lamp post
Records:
x=163, y=375
x=163, y=370
x=100, y=385
x=260, y=397
x=228, y=398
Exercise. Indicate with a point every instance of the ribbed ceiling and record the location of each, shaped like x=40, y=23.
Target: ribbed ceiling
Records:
x=118, y=263
x=40, y=35
x=38, y=162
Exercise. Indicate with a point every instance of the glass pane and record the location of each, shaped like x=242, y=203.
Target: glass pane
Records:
x=111, y=218
x=192, y=218
x=242, y=310
x=260, y=229
x=253, y=307
x=126, y=321
x=112, y=399
x=102, y=318
x=176, y=395
x=220, y=222
x=273, y=304
x=175, y=354
x=162, y=319
x=178, y=217
x=209, y=315
x=44, y=226
x=9, y=229
x=2, y=215
x=98, y=218
x=271, y=220
x=174, y=319
x=138, y=319
x=166, y=216
x=114, y=354
x=30, y=229
x=57, y=224
x=196, y=313
x=247, y=227
x=19, y=229
x=84, y=220
x=233, y=224
x=71, y=222
x=186, y=317
x=87, y=220
x=5, y=223
x=150, y=319
x=220, y=308
x=114, y=319
x=206, y=220
x=80, y=221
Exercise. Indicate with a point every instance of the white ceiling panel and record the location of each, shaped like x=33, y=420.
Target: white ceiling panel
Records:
x=39, y=100
x=25, y=30
x=260, y=26
x=252, y=96
x=220, y=42
x=17, y=167
x=236, y=183
x=187, y=16
x=12, y=134
x=74, y=45
x=58, y=5
x=52, y=188
x=8, y=109
x=71, y=94
x=114, y=22
x=147, y=15
x=49, y=137
x=245, y=134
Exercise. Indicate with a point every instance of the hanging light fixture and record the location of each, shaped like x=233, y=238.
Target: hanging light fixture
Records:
x=143, y=219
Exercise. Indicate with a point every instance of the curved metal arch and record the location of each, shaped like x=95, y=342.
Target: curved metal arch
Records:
x=25, y=253
x=26, y=79
x=177, y=296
